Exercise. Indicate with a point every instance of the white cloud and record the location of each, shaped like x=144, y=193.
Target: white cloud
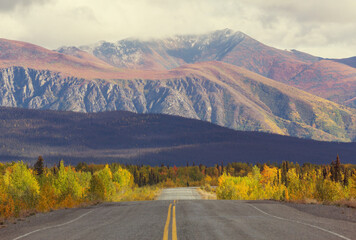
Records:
x=322, y=27
x=9, y=5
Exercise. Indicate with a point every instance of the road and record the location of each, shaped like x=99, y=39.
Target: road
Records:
x=177, y=218
x=179, y=194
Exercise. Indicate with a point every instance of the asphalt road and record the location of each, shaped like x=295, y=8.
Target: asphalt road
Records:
x=181, y=219
x=179, y=194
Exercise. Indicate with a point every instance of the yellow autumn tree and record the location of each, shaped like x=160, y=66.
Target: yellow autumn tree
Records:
x=67, y=184
x=123, y=178
x=21, y=184
x=105, y=177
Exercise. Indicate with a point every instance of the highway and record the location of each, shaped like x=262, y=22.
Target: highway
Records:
x=180, y=215
x=179, y=194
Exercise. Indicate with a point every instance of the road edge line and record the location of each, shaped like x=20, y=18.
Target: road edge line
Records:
x=59, y=225
x=296, y=221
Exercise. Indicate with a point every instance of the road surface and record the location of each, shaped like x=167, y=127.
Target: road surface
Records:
x=181, y=219
x=179, y=194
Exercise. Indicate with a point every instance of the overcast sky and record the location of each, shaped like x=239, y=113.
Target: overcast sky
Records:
x=325, y=28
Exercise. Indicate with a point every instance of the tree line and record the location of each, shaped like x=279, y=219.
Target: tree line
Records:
x=291, y=182
x=25, y=189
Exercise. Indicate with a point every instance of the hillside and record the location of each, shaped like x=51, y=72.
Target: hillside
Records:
x=216, y=92
x=148, y=139
x=16, y=53
x=348, y=61
x=213, y=91
x=294, y=68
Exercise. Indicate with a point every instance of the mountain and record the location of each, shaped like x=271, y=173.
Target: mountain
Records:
x=153, y=139
x=218, y=92
x=212, y=91
x=15, y=53
x=347, y=61
x=224, y=45
x=294, y=68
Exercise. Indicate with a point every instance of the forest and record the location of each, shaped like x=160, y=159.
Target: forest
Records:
x=334, y=183
x=25, y=189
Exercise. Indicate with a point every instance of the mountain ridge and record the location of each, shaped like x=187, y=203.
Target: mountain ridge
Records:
x=234, y=48
x=351, y=61
x=212, y=91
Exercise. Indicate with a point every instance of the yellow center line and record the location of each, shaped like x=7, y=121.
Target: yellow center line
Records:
x=174, y=225
x=165, y=233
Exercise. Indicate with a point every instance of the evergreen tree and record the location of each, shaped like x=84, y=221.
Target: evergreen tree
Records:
x=200, y=167
x=55, y=169
x=346, y=177
x=136, y=177
x=285, y=169
x=332, y=170
x=325, y=173
x=39, y=166
x=277, y=175
x=337, y=169
x=59, y=164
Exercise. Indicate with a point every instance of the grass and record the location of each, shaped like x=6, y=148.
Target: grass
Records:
x=207, y=192
x=137, y=194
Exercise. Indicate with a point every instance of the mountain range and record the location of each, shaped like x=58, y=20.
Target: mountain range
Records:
x=224, y=77
x=154, y=139
x=321, y=77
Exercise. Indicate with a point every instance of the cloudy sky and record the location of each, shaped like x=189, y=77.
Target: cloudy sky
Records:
x=325, y=28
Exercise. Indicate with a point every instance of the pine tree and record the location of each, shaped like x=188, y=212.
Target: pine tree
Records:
x=136, y=177
x=59, y=164
x=332, y=170
x=337, y=169
x=200, y=167
x=39, y=166
x=325, y=173
x=151, y=177
x=285, y=168
x=277, y=176
x=55, y=169
x=346, y=177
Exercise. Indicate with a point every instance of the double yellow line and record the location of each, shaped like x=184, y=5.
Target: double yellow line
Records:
x=174, y=224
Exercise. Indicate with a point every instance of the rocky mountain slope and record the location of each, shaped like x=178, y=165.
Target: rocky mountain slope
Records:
x=212, y=91
x=153, y=139
x=294, y=68
x=218, y=92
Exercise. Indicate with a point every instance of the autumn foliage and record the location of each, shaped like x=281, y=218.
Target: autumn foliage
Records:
x=290, y=182
x=24, y=190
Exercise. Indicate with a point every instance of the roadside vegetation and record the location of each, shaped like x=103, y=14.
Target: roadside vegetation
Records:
x=331, y=184
x=25, y=190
